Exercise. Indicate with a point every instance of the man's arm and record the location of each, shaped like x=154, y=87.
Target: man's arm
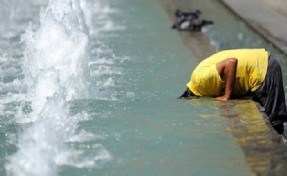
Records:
x=227, y=71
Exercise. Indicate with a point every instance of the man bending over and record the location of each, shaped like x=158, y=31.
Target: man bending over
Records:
x=242, y=72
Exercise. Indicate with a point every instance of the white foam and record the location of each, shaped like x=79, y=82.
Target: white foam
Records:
x=98, y=16
x=61, y=46
x=84, y=136
x=101, y=61
x=56, y=72
x=105, y=65
x=96, y=158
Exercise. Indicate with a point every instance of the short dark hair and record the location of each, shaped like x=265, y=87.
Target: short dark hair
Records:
x=187, y=94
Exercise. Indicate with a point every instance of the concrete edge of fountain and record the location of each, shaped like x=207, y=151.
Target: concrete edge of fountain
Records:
x=269, y=19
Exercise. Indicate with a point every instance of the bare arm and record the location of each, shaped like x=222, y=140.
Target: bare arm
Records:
x=227, y=71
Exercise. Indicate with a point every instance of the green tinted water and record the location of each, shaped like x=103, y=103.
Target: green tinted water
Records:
x=140, y=121
x=149, y=131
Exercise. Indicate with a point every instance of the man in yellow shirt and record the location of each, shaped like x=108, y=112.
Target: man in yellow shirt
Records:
x=242, y=72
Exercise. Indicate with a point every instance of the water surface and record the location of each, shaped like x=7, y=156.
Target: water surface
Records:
x=131, y=122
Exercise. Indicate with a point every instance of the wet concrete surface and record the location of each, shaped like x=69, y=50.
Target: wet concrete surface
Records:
x=269, y=18
x=264, y=151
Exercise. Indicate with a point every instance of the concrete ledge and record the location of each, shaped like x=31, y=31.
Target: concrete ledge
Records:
x=264, y=152
x=264, y=17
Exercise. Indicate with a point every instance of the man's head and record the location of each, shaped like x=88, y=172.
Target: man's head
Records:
x=187, y=94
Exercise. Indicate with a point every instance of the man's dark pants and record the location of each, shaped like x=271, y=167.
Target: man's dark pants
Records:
x=271, y=96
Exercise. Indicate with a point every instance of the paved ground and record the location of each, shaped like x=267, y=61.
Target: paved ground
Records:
x=269, y=18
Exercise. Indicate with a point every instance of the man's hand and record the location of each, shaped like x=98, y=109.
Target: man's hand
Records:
x=222, y=98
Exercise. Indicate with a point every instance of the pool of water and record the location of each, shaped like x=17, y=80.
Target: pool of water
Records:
x=123, y=117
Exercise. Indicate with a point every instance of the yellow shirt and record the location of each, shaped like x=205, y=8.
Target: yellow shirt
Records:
x=251, y=70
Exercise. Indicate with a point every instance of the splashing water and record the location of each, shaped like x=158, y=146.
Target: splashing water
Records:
x=61, y=43
x=56, y=71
